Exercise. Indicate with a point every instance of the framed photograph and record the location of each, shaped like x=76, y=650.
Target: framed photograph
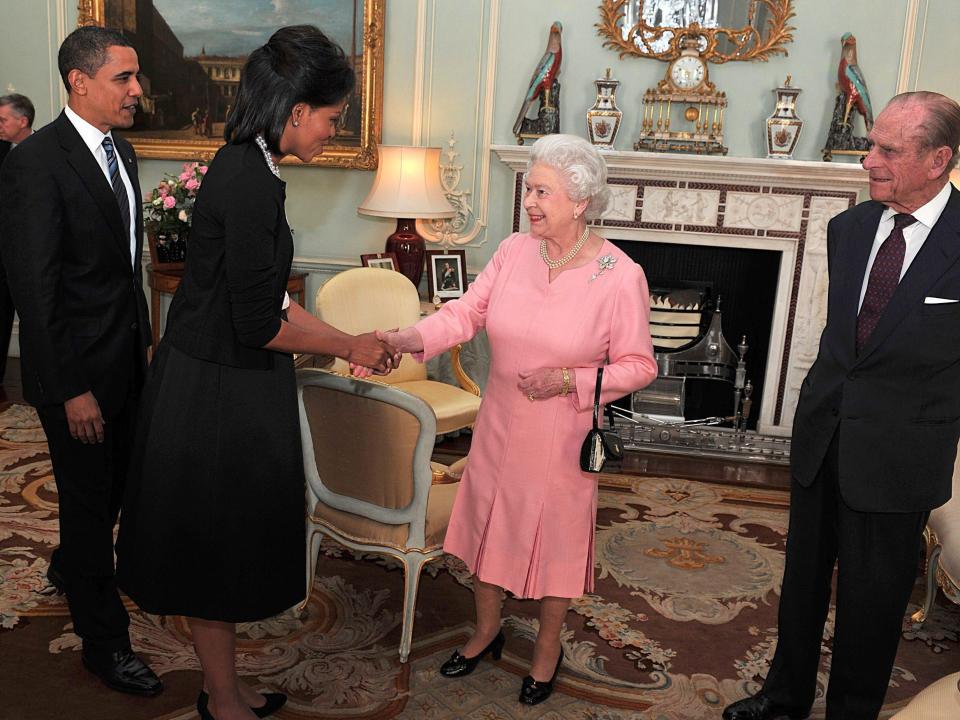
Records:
x=191, y=55
x=446, y=274
x=385, y=260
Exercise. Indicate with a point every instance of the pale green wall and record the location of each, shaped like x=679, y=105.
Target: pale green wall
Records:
x=322, y=202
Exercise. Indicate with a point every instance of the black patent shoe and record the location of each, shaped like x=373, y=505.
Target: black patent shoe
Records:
x=459, y=666
x=761, y=707
x=274, y=701
x=122, y=670
x=534, y=692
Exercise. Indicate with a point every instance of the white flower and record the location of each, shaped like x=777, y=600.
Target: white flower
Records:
x=182, y=216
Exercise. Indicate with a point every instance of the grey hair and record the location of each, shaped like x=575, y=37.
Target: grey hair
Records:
x=582, y=166
x=940, y=124
x=21, y=106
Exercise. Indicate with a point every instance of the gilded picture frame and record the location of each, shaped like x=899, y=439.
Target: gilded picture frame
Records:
x=181, y=121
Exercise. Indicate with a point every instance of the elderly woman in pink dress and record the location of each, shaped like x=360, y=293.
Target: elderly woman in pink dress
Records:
x=557, y=303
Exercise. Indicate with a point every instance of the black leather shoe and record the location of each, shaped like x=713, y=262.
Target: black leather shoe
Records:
x=533, y=692
x=459, y=666
x=760, y=707
x=274, y=701
x=122, y=670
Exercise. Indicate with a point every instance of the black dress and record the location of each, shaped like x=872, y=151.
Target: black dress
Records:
x=212, y=524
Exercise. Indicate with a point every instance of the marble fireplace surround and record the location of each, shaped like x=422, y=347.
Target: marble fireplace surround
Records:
x=779, y=205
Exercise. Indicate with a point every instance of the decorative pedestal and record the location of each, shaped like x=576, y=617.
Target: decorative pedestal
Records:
x=783, y=127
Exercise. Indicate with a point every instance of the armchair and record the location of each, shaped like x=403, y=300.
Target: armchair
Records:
x=365, y=299
x=370, y=483
x=942, y=538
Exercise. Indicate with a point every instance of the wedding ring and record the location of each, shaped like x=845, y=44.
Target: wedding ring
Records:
x=530, y=397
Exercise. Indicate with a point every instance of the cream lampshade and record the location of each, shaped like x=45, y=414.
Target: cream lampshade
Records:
x=407, y=187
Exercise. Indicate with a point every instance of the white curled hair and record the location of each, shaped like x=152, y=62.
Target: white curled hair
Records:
x=582, y=166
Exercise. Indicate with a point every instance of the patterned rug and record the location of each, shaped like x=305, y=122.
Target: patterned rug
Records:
x=682, y=622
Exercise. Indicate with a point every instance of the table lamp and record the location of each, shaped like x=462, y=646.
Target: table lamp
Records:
x=407, y=187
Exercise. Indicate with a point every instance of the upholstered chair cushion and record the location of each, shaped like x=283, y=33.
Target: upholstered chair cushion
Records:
x=363, y=530
x=366, y=299
x=939, y=701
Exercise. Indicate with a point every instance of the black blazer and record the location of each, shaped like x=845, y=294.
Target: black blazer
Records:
x=228, y=305
x=897, y=405
x=83, y=315
x=4, y=149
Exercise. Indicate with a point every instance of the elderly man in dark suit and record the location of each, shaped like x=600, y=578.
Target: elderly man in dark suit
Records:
x=71, y=243
x=876, y=427
x=16, y=125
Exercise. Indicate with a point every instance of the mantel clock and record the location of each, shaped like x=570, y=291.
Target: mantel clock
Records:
x=684, y=113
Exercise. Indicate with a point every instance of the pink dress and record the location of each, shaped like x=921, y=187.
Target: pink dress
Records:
x=524, y=515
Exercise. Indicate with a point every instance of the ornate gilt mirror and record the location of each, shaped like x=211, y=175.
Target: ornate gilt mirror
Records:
x=728, y=29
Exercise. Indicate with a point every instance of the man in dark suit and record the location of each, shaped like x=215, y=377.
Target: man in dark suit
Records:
x=71, y=219
x=16, y=125
x=877, y=423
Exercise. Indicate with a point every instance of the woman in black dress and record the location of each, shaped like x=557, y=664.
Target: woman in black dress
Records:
x=213, y=516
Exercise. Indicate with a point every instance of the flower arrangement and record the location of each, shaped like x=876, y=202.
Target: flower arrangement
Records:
x=168, y=214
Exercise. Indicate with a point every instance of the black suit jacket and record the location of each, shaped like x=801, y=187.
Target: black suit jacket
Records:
x=83, y=315
x=241, y=249
x=896, y=405
x=4, y=149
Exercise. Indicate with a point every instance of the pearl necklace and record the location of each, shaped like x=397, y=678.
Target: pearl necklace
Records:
x=262, y=144
x=554, y=264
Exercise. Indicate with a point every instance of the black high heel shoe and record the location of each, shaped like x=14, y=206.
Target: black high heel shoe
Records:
x=459, y=666
x=533, y=692
x=275, y=701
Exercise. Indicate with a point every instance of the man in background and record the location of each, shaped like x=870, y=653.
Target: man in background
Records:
x=16, y=125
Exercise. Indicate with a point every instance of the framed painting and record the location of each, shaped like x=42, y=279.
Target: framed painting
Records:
x=191, y=55
x=446, y=274
x=384, y=260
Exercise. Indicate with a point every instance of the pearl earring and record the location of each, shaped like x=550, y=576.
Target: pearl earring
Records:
x=296, y=124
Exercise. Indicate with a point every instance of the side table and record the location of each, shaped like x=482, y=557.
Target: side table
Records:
x=166, y=282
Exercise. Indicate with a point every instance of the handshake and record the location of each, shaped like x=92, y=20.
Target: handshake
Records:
x=379, y=352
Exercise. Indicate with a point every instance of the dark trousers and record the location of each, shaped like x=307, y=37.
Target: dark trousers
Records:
x=90, y=481
x=877, y=556
x=6, y=323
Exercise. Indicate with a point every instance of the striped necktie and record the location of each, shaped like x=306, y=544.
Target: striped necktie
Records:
x=119, y=190
x=884, y=278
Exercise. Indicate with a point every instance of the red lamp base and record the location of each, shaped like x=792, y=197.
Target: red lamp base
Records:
x=410, y=249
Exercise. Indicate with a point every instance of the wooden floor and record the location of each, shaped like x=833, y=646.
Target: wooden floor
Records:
x=642, y=464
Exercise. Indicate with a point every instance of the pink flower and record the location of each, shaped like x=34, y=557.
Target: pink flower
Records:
x=163, y=190
x=192, y=184
x=186, y=175
x=169, y=202
x=202, y=169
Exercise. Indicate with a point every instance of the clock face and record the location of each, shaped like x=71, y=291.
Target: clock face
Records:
x=687, y=72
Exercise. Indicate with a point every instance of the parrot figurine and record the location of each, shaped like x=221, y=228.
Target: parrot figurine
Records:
x=547, y=70
x=852, y=84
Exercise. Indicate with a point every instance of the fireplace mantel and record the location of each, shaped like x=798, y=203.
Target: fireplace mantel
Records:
x=780, y=205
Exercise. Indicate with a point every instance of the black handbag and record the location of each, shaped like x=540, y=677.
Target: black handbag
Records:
x=599, y=445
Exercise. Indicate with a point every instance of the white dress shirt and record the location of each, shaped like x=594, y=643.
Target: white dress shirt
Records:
x=914, y=235
x=93, y=139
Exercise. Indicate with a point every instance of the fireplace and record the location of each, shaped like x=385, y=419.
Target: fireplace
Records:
x=744, y=281
x=754, y=229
